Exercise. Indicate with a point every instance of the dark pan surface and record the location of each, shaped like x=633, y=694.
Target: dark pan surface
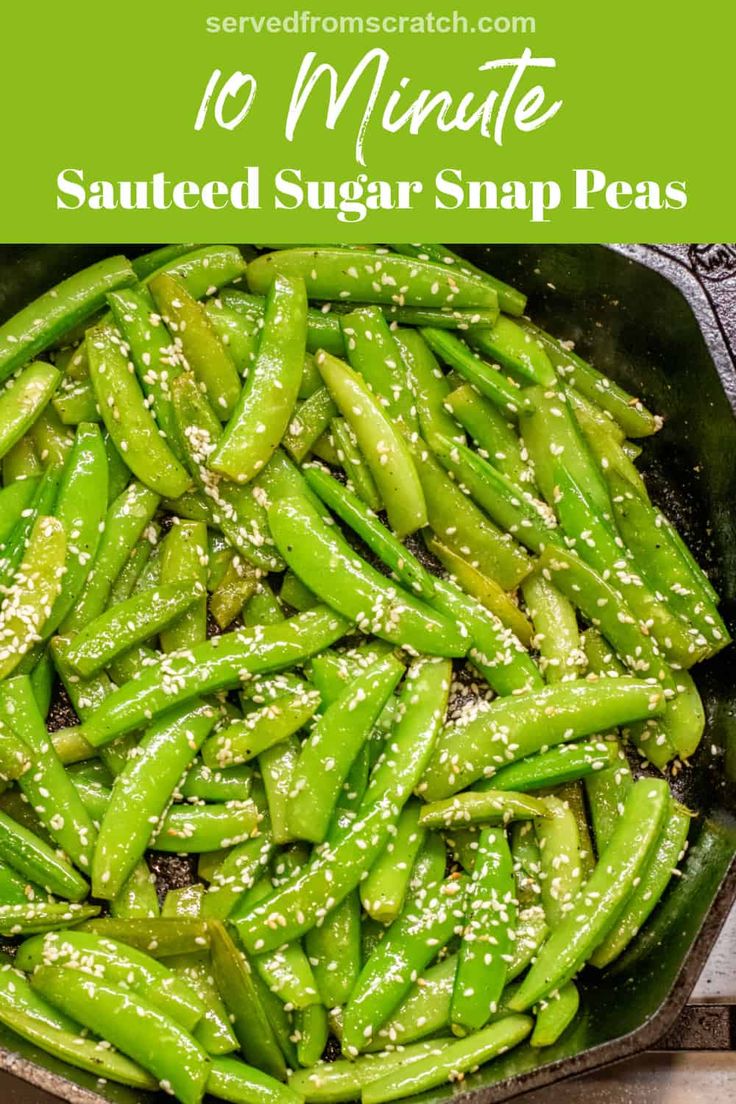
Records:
x=644, y=320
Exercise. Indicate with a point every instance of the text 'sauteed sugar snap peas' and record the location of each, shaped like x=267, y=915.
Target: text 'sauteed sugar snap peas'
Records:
x=347, y=572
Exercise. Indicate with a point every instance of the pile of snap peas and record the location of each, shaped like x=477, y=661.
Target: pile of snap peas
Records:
x=360, y=602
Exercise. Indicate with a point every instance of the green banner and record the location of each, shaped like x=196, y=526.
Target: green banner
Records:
x=270, y=122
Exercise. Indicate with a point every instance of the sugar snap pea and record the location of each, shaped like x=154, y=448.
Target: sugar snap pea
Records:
x=609, y=887
x=127, y=418
x=26, y=1013
x=196, y=342
x=488, y=934
x=330, y=568
x=223, y=662
x=22, y=400
x=381, y=443
x=510, y=299
x=367, y=277
x=29, y=600
x=493, y=734
x=254, y=432
x=331, y=747
x=142, y=791
x=167, y=1051
x=56, y=312
x=129, y=623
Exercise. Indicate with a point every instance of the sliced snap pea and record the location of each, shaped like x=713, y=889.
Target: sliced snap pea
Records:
x=238, y=583
x=485, y=589
x=15, y=757
x=367, y=277
x=611, y=455
x=237, y=873
x=488, y=934
x=381, y=443
x=334, y=950
x=164, y=1048
x=21, y=462
x=35, y=587
x=160, y=938
x=428, y=383
x=556, y=634
x=349, y=508
x=15, y=498
x=127, y=417
x=239, y=1083
x=311, y=419
x=313, y=1030
x=147, y=263
x=490, y=735
x=127, y=517
x=268, y=724
x=654, y=880
x=233, y=975
x=520, y=352
x=224, y=662
x=204, y=784
x=443, y=318
x=277, y=765
x=194, y=829
x=35, y=860
x=51, y=438
x=58, y=311
x=384, y=890
x=267, y=400
x=603, y=895
x=565, y=763
x=203, y=271
x=553, y=439
x=263, y=607
x=22, y=400
x=560, y=862
x=80, y=507
x=137, y=898
x=184, y=557
x=41, y=916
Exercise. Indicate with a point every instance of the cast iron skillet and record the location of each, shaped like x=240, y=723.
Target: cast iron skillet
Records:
x=647, y=321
